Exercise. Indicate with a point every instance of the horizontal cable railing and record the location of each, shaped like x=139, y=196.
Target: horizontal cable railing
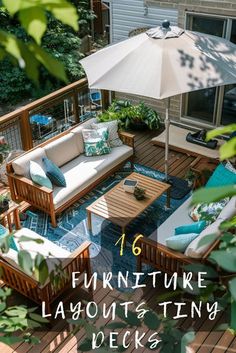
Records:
x=48, y=116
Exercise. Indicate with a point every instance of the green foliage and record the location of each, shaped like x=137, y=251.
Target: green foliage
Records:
x=228, y=149
x=60, y=44
x=129, y=115
x=15, y=318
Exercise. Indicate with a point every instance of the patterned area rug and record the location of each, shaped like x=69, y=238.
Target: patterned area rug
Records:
x=72, y=230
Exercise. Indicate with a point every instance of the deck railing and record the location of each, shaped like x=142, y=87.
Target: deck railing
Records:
x=46, y=117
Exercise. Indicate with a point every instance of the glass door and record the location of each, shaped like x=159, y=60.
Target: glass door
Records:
x=228, y=114
x=200, y=105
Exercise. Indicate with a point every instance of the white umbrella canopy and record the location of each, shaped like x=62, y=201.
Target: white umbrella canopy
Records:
x=163, y=67
x=161, y=63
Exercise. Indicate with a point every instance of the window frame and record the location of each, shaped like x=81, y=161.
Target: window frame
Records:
x=218, y=105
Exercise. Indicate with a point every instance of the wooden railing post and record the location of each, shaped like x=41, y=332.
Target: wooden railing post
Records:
x=26, y=133
x=76, y=105
x=105, y=99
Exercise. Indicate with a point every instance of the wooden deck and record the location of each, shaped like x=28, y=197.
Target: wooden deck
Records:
x=60, y=340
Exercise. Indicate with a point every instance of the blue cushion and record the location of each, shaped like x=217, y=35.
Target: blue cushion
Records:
x=221, y=176
x=196, y=227
x=54, y=173
x=181, y=242
x=38, y=175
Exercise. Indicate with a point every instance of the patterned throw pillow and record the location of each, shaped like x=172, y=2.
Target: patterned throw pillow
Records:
x=208, y=211
x=96, y=142
x=112, y=127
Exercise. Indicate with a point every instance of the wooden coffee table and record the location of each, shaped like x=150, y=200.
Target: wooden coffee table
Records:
x=121, y=207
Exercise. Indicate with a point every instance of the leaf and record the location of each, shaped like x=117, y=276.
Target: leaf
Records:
x=63, y=11
x=151, y=320
x=85, y=346
x=232, y=288
x=18, y=311
x=54, y=66
x=9, y=340
x=41, y=269
x=24, y=238
x=186, y=339
x=34, y=21
x=226, y=259
x=228, y=224
x=228, y=149
x=196, y=268
x=12, y=6
x=233, y=316
x=25, y=261
x=116, y=325
x=207, y=239
x=168, y=295
x=213, y=194
x=221, y=131
x=38, y=318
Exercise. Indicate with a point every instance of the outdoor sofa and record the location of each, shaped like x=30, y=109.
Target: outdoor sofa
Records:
x=16, y=278
x=156, y=253
x=81, y=173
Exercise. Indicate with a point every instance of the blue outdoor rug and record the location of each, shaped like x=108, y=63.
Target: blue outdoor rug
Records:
x=72, y=230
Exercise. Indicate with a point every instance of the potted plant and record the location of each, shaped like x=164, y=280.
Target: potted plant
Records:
x=4, y=203
x=137, y=117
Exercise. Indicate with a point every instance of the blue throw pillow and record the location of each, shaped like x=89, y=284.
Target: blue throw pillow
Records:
x=54, y=173
x=180, y=242
x=196, y=227
x=221, y=176
x=39, y=176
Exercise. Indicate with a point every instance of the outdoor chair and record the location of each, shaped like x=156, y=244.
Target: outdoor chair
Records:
x=15, y=277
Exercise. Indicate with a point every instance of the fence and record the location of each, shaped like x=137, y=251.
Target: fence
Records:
x=46, y=117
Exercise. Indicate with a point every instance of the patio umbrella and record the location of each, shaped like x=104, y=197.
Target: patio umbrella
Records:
x=161, y=63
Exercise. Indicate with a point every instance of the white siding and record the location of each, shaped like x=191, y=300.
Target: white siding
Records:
x=127, y=15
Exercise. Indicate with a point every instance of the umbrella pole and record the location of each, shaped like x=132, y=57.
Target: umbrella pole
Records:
x=167, y=126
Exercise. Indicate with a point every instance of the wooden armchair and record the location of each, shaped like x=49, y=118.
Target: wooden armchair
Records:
x=17, y=279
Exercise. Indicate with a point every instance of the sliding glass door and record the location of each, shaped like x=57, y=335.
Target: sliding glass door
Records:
x=215, y=106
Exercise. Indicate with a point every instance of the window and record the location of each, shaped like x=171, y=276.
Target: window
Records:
x=213, y=106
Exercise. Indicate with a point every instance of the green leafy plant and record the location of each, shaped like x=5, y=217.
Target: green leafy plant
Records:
x=131, y=116
x=17, y=318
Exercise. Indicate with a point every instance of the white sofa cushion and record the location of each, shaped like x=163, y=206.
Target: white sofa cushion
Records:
x=83, y=171
x=196, y=251
x=62, y=150
x=167, y=228
x=77, y=131
x=21, y=165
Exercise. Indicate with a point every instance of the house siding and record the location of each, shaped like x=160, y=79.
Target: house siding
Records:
x=127, y=15
x=225, y=8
